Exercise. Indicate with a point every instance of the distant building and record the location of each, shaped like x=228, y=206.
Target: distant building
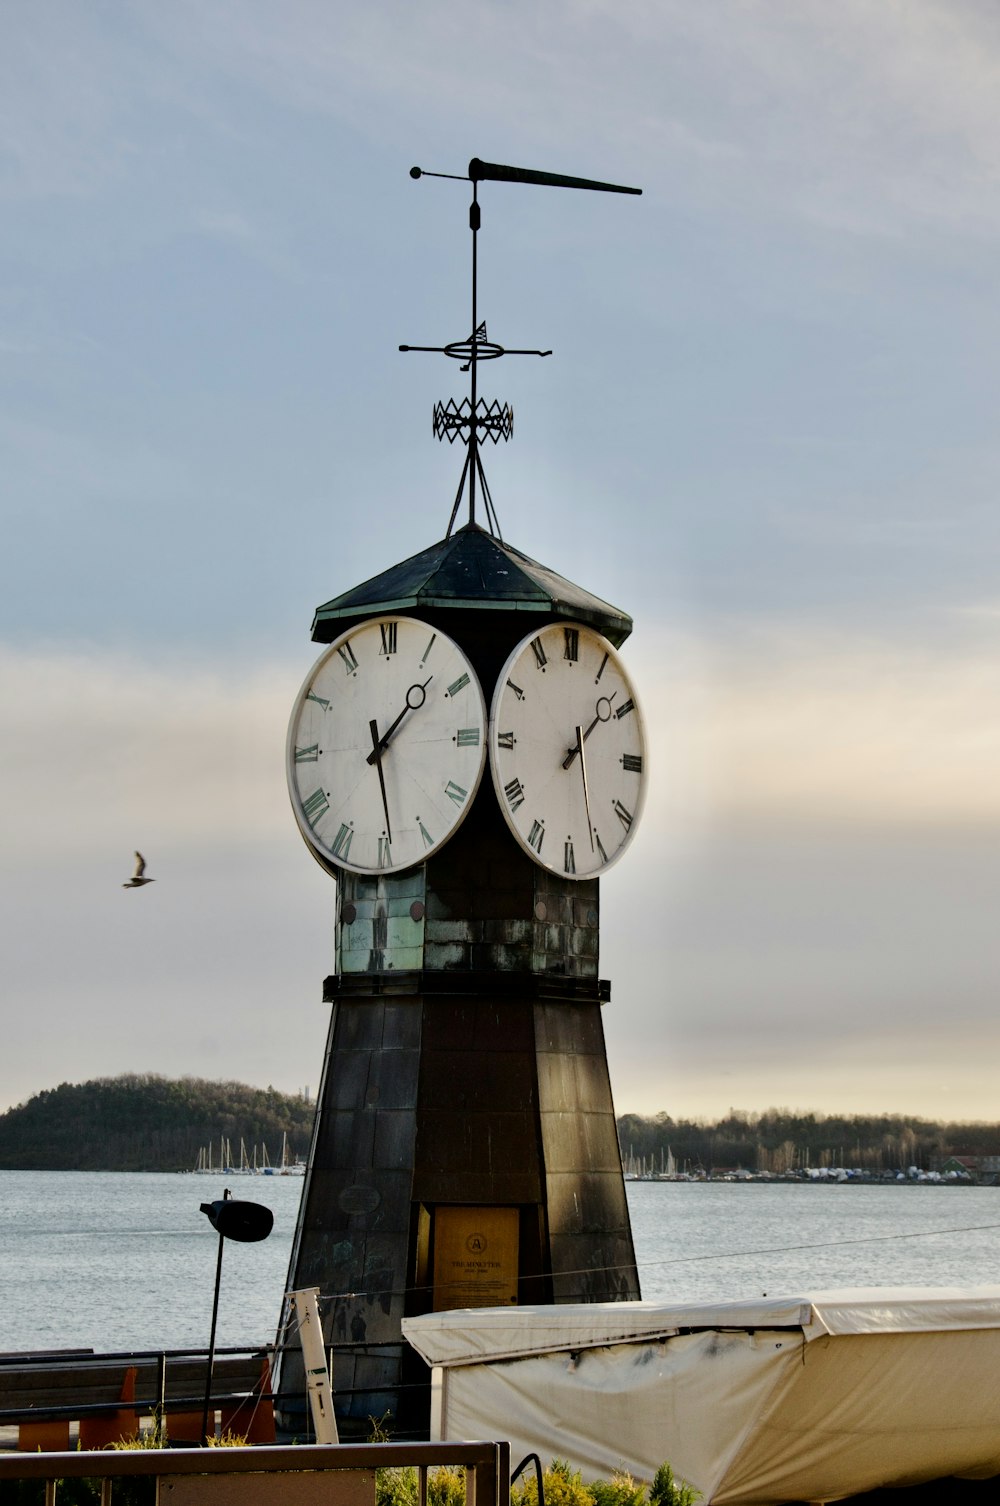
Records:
x=966, y=1166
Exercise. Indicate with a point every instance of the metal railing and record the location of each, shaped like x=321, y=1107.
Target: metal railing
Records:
x=207, y=1474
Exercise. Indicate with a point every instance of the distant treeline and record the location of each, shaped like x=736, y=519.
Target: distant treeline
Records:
x=152, y=1123
x=147, y=1123
x=779, y=1141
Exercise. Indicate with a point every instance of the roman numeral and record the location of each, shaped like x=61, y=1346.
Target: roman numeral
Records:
x=624, y=816
x=624, y=709
x=428, y=839
x=455, y=792
x=600, y=672
x=346, y=653
x=632, y=763
x=307, y=755
x=388, y=631
x=600, y=846
x=384, y=852
x=467, y=737
x=516, y=689
x=539, y=653
x=458, y=685
x=515, y=793
x=318, y=699
x=341, y=845
x=430, y=645
x=505, y=740
x=569, y=861
x=315, y=806
x=536, y=836
x=572, y=649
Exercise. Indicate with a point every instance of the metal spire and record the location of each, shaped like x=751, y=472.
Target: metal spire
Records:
x=473, y=419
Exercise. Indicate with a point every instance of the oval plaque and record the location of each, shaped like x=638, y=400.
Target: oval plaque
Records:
x=359, y=1200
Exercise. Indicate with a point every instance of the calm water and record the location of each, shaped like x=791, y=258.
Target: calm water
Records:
x=738, y=1240
x=115, y=1261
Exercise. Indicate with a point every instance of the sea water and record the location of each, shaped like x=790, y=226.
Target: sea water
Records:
x=121, y=1261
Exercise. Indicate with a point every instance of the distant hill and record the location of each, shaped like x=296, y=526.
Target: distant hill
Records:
x=781, y=1141
x=147, y=1123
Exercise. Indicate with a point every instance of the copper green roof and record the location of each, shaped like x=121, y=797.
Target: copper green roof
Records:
x=471, y=570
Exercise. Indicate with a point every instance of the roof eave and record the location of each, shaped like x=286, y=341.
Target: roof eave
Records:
x=327, y=621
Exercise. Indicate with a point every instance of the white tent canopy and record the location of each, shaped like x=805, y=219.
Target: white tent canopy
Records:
x=810, y=1397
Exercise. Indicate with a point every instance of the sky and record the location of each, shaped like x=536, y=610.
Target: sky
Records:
x=768, y=431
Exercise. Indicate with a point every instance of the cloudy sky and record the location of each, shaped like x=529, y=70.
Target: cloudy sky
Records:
x=768, y=431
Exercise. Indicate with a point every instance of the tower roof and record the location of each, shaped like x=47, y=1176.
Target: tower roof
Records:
x=471, y=570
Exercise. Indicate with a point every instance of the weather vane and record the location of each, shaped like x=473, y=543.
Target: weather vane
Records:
x=473, y=419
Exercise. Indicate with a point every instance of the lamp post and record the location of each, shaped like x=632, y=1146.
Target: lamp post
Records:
x=247, y=1223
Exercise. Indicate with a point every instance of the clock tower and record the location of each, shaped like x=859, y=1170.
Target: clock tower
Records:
x=466, y=758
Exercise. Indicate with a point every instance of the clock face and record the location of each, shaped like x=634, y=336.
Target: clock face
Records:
x=386, y=745
x=568, y=750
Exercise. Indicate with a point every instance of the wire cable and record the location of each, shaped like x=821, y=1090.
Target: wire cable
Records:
x=830, y=1244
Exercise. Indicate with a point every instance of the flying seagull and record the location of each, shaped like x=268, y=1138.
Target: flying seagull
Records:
x=137, y=880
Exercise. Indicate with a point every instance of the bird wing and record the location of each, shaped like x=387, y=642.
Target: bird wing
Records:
x=140, y=865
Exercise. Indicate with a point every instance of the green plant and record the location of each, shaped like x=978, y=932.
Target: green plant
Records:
x=154, y=1437
x=446, y=1486
x=668, y=1491
x=379, y=1430
x=561, y=1486
x=620, y=1490
x=396, y=1487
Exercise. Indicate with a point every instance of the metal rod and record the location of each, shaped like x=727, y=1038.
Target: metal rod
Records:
x=474, y=221
x=161, y=1387
x=458, y=496
x=211, y=1342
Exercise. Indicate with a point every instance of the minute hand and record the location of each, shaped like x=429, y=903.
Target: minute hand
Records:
x=581, y=738
x=411, y=705
x=602, y=713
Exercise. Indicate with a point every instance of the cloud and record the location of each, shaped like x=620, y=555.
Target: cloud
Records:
x=112, y=747
x=859, y=117
x=813, y=879
x=772, y=724
x=784, y=722
x=867, y=119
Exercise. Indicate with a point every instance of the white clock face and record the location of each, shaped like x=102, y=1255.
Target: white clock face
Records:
x=568, y=750
x=386, y=745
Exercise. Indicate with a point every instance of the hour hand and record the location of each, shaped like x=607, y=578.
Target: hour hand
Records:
x=376, y=757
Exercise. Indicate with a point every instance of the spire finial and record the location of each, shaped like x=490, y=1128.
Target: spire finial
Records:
x=473, y=419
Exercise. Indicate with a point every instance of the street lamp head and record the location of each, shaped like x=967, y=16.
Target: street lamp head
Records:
x=247, y=1223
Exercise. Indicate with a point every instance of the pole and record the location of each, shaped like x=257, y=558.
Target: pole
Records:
x=475, y=221
x=318, y=1386
x=211, y=1342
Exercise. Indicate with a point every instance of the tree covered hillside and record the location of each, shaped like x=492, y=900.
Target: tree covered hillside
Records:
x=147, y=1123
x=781, y=1141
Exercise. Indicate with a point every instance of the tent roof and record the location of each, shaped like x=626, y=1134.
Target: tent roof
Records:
x=746, y=1409
x=475, y=1335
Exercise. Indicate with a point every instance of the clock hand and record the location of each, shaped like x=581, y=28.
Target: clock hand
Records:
x=581, y=738
x=411, y=705
x=602, y=713
x=377, y=752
